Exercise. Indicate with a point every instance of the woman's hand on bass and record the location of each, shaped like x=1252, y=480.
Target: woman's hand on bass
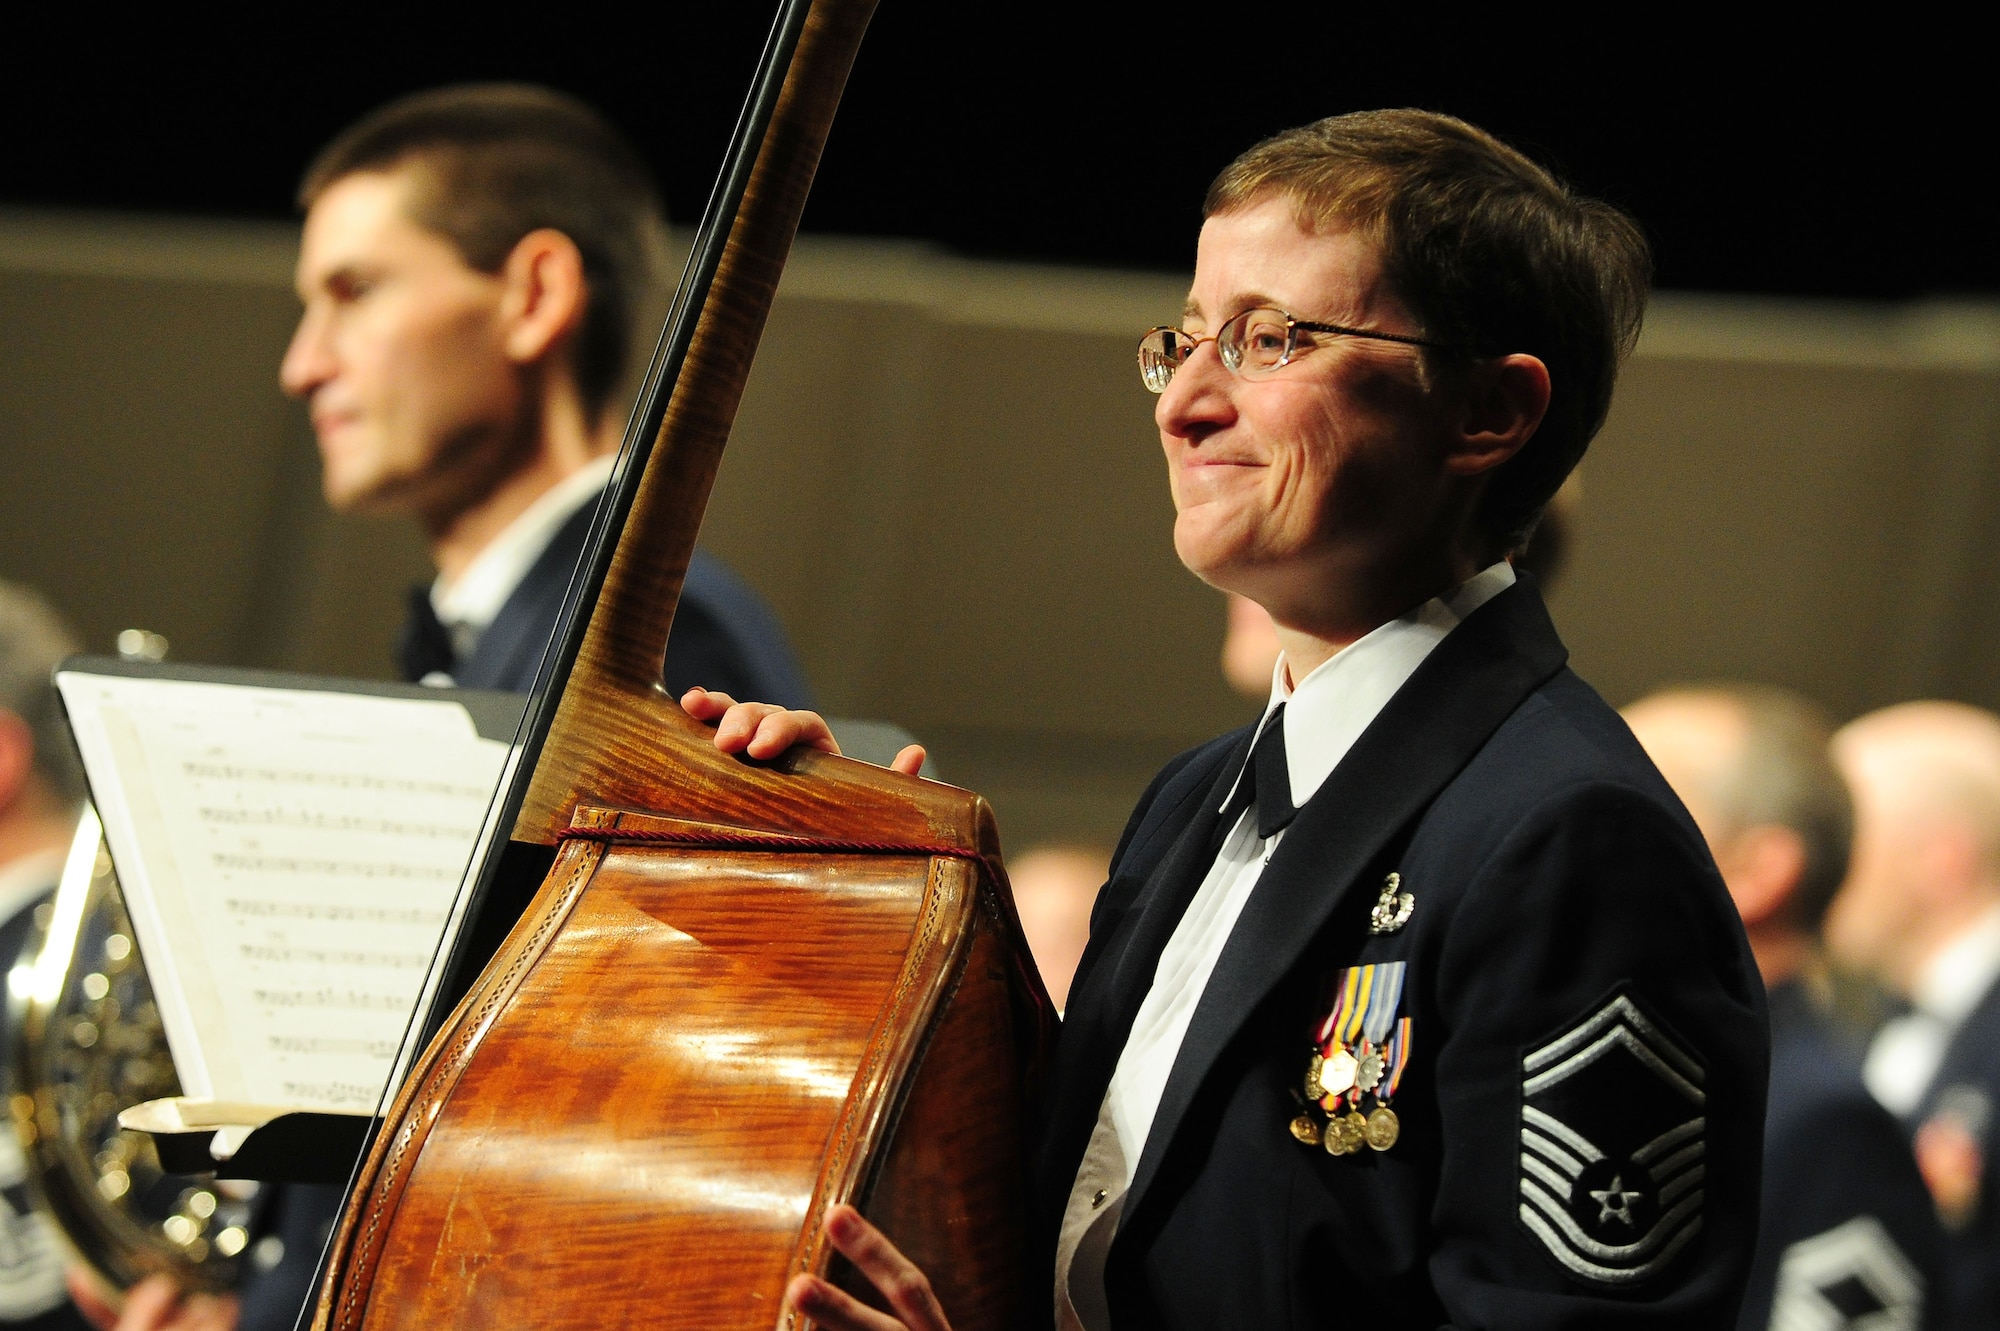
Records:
x=764, y=730
x=907, y=1290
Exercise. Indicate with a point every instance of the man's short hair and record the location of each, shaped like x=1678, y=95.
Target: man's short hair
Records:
x=1784, y=775
x=1493, y=255
x=33, y=642
x=497, y=161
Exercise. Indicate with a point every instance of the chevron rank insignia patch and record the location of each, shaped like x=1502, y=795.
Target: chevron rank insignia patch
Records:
x=1612, y=1146
x=1853, y=1275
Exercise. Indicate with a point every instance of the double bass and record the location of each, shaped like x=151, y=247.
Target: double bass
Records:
x=738, y=993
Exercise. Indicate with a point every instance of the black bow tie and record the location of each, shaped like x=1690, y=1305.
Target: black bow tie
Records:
x=424, y=646
x=1266, y=782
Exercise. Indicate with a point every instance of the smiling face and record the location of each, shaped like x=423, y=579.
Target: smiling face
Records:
x=1329, y=476
x=400, y=356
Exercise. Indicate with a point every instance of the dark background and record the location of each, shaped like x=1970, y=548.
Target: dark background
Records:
x=1851, y=164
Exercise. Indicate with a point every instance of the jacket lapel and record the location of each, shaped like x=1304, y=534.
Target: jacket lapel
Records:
x=510, y=650
x=1117, y=968
x=1471, y=683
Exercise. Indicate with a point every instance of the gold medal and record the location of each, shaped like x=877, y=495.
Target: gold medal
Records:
x=1336, y=1074
x=1343, y=1135
x=1313, y=1089
x=1368, y=1070
x=1305, y=1130
x=1383, y=1128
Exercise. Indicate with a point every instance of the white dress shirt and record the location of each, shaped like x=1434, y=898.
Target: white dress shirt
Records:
x=1905, y=1054
x=1325, y=714
x=467, y=605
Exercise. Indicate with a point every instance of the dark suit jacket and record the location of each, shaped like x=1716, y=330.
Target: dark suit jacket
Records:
x=1560, y=890
x=1834, y=1157
x=1967, y=1089
x=724, y=636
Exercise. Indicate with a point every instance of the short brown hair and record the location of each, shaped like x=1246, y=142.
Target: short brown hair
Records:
x=1492, y=253
x=501, y=160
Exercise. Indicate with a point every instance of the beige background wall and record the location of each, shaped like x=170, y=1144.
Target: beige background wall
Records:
x=946, y=481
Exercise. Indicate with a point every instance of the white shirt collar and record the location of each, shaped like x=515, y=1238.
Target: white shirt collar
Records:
x=1952, y=982
x=468, y=605
x=1328, y=709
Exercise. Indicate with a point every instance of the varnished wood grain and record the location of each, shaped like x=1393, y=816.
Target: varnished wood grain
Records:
x=655, y=1111
x=950, y=1187
x=695, y=1052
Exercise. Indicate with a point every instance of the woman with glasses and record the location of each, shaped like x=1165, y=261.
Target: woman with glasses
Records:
x=1418, y=1003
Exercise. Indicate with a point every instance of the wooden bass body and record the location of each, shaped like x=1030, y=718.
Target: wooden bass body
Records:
x=744, y=991
x=641, y=1113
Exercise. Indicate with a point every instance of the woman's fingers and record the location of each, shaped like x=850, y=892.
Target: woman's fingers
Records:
x=759, y=729
x=834, y=1309
x=705, y=704
x=907, y=1289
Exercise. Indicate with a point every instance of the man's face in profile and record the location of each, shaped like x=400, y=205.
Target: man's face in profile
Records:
x=399, y=356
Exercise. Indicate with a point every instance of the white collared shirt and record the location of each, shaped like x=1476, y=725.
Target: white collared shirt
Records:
x=1905, y=1054
x=467, y=605
x=1325, y=714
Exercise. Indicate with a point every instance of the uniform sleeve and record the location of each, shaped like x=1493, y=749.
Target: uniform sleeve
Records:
x=1600, y=1077
x=1848, y=1224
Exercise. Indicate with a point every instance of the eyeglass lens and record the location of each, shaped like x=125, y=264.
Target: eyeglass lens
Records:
x=1160, y=354
x=1254, y=342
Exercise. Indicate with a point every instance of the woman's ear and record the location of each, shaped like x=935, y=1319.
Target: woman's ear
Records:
x=543, y=295
x=1502, y=402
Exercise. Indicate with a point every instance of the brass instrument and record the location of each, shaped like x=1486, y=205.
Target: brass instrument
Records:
x=90, y=1045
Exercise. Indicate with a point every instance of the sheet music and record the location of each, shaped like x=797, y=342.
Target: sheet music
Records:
x=289, y=859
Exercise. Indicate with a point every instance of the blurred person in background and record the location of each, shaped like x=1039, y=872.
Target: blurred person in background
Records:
x=41, y=795
x=473, y=267
x=1055, y=886
x=1921, y=912
x=1848, y=1236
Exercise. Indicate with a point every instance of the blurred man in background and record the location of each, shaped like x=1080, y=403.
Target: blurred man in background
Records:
x=1921, y=913
x=41, y=792
x=474, y=265
x=1847, y=1231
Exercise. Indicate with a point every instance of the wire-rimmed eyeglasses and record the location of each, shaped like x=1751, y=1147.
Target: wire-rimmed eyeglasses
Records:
x=1252, y=344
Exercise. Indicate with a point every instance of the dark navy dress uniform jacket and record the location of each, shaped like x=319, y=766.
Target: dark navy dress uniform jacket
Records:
x=1848, y=1227
x=1565, y=910
x=1967, y=1087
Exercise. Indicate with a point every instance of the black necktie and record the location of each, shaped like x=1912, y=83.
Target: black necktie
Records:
x=1266, y=782
x=425, y=644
